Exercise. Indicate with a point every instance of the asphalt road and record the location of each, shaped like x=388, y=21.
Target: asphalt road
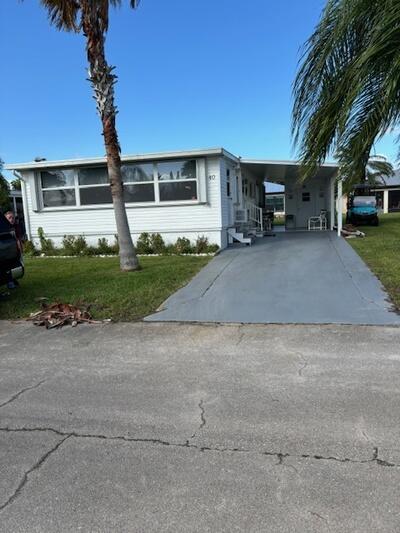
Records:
x=193, y=428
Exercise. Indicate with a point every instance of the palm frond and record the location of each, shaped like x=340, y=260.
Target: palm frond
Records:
x=347, y=90
x=63, y=14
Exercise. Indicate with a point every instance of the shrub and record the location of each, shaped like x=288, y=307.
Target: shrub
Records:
x=92, y=250
x=169, y=249
x=72, y=245
x=103, y=248
x=202, y=245
x=157, y=243
x=183, y=246
x=115, y=246
x=212, y=248
x=29, y=248
x=81, y=245
x=68, y=243
x=143, y=244
x=46, y=245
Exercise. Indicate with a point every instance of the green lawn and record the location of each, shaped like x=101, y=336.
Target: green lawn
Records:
x=279, y=220
x=99, y=282
x=381, y=251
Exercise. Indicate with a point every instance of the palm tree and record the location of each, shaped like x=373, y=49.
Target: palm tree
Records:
x=377, y=170
x=91, y=18
x=5, y=203
x=347, y=90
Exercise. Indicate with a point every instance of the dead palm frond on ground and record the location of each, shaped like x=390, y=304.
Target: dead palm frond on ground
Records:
x=347, y=90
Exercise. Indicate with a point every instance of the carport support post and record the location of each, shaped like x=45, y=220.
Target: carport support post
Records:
x=339, y=207
x=332, y=203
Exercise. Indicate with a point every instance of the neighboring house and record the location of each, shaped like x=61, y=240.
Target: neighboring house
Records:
x=191, y=193
x=388, y=194
x=275, y=202
x=15, y=196
x=16, y=200
x=275, y=198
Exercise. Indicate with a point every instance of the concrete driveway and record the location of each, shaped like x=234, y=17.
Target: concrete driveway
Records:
x=300, y=278
x=199, y=428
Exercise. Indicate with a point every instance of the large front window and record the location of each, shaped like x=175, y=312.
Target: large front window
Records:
x=177, y=180
x=138, y=182
x=94, y=187
x=58, y=188
x=161, y=182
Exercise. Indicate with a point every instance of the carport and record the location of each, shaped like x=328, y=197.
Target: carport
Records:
x=302, y=200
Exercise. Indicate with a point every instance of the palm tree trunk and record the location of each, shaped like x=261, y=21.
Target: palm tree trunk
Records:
x=103, y=80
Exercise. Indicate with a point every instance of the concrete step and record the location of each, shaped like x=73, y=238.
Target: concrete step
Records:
x=234, y=235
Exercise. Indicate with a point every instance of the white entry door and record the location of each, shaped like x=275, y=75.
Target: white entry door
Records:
x=306, y=206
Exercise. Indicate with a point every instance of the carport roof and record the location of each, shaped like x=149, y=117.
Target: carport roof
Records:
x=280, y=171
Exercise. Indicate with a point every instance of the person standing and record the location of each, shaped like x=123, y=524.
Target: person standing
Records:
x=12, y=283
x=16, y=228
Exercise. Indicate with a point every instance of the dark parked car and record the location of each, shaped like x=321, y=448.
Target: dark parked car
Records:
x=11, y=264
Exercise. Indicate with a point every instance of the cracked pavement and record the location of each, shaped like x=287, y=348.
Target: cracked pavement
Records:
x=199, y=428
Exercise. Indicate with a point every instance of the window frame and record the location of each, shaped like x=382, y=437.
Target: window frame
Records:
x=79, y=186
x=156, y=203
x=158, y=181
x=228, y=183
x=69, y=188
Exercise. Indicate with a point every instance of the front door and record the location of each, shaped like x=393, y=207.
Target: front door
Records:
x=306, y=206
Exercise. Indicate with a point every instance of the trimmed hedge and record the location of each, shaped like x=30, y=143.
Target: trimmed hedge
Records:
x=147, y=244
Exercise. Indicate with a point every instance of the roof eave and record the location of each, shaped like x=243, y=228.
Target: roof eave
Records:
x=65, y=163
x=328, y=164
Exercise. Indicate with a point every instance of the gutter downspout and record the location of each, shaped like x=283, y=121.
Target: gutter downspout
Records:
x=24, y=204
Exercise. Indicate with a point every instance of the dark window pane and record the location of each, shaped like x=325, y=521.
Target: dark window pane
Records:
x=95, y=195
x=59, y=198
x=394, y=201
x=93, y=176
x=135, y=173
x=57, y=178
x=184, y=190
x=306, y=196
x=177, y=170
x=274, y=203
x=139, y=193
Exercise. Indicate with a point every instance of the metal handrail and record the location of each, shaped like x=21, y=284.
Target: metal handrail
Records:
x=255, y=214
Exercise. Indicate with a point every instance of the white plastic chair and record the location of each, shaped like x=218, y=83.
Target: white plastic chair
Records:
x=319, y=223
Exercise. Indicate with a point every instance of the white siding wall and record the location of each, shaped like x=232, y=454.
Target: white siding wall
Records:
x=228, y=205
x=253, y=187
x=223, y=191
x=319, y=190
x=170, y=221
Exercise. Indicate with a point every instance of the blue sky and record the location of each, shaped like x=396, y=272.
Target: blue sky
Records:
x=191, y=74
